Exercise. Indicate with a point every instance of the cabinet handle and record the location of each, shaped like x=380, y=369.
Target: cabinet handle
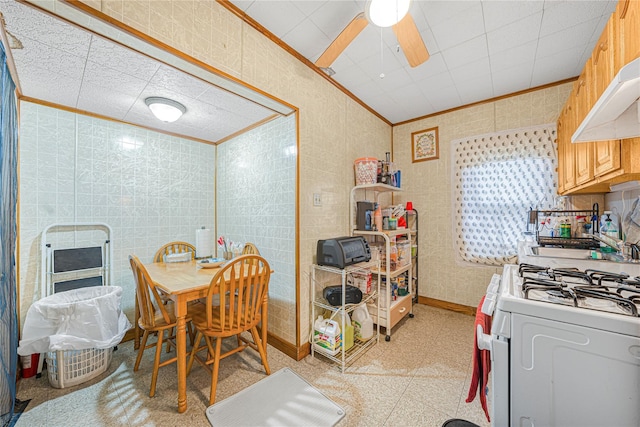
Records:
x=402, y=310
x=623, y=12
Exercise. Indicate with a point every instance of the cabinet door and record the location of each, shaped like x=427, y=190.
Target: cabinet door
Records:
x=560, y=141
x=566, y=150
x=582, y=104
x=628, y=20
x=606, y=154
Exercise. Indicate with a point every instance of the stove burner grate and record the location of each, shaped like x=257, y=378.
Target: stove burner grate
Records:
x=603, y=293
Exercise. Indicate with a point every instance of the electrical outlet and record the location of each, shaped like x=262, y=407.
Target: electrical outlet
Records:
x=316, y=199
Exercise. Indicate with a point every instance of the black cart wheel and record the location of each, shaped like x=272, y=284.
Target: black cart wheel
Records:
x=387, y=338
x=411, y=315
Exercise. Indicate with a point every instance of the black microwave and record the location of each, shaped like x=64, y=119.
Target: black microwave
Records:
x=343, y=251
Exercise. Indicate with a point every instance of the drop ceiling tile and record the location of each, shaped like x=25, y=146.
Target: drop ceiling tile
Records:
x=307, y=39
x=464, y=26
x=434, y=66
x=177, y=81
x=334, y=17
x=111, y=79
x=367, y=43
x=279, y=17
x=475, y=89
x=433, y=82
x=413, y=104
x=393, y=80
x=555, y=66
x=509, y=80
x=522, y=54
x=220, y=99
x=96, y=99
x=352, y=78
x=566, y=15
x=345, y=67
x=376, y=64
x=443, y=24
x=36, y=83
x=436, y=12
x=514, y=34
x=308, y=7
x=414, y=111
x=573, y=37
x=37, y=54
x=243, y=4
x=125, y=60
x=471, y=70
x=443, y=98
x=466, y=53
x=497, y=14
x=27, y=22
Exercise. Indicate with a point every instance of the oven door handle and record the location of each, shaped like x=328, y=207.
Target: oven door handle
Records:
x=483, y=340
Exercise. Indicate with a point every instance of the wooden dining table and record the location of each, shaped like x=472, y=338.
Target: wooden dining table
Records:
x=183, y=282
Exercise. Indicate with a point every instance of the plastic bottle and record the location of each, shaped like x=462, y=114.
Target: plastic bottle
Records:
x=363, y=323
x=326, y=335
x=377, y=218
x=609, y=225
x=349, y=332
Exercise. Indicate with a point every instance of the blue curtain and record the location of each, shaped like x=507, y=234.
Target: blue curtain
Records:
x=8, y=199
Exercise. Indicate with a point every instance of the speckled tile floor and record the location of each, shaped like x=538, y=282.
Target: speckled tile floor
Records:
x=420, y=378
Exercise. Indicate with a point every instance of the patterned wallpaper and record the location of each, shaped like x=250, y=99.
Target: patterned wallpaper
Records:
x=498, y=177
x=334, y=130
x=149, y=187
x=428, y=185
x=256, y=182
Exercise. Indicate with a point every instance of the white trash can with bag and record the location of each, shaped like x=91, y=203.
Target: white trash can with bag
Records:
x=77, y=329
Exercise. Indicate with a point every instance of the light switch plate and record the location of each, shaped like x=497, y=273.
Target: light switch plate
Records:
x=316, y=199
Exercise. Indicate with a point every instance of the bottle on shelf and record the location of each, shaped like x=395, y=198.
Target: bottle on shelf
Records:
x=377, y=218
x=362, y=323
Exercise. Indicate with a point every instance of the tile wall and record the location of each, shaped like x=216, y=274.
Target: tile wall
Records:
x=334, y=130
x=428, y=184
x=256, y=199
x=625, y=205
x=149, y=187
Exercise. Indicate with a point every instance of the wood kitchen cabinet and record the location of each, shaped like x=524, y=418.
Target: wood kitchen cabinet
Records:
x=627, y=16
x=606, y=155
x=591, y=167
x=582, y=103
x=566, y=150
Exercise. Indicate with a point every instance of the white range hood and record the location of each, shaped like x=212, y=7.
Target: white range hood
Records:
x=616, y=114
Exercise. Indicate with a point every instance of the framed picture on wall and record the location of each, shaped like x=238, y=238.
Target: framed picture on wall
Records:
x=424, y=145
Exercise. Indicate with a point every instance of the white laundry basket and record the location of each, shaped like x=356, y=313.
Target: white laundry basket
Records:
x=77, y=330
x=67, y=368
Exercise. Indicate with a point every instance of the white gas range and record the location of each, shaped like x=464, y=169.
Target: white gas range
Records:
x=565, y=347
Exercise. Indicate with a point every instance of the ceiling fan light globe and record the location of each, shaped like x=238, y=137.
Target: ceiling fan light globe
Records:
x=385, y=13
x=165, y=109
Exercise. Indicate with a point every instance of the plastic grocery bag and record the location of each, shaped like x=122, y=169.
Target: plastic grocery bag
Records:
x=75, y=320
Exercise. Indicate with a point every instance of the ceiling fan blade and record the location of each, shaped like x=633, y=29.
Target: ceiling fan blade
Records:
x=342, y=41
x=410, y=41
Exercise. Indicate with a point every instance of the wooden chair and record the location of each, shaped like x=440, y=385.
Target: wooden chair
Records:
x=156, y=316
x=176, y=247
x=250, y=249
x=242, y=287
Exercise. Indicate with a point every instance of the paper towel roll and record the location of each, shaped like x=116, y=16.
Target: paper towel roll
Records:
x=204, y=243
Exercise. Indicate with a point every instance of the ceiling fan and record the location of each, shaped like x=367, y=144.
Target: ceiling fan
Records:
x=378, y=13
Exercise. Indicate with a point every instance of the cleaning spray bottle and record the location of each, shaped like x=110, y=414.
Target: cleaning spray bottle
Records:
x=609, y=225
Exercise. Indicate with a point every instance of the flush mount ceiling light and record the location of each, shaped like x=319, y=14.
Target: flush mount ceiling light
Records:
x=385, y=13
x=165, y=109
